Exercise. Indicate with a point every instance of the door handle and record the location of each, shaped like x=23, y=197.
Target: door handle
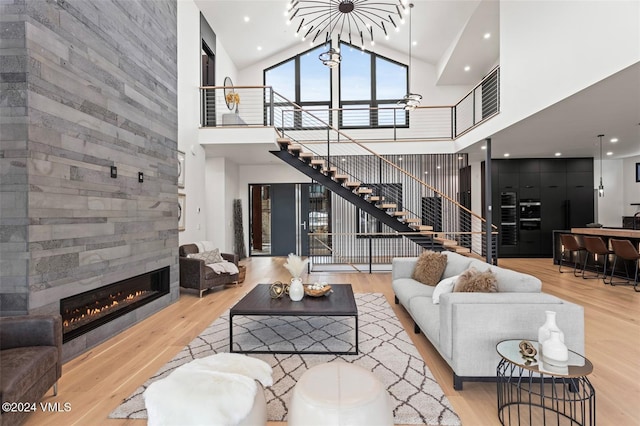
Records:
x=304, y=225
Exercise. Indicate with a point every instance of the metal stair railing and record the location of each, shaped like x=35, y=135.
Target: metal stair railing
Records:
x=453, y=225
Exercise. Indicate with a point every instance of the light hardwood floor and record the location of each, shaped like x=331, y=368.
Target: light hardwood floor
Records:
x=97, y=381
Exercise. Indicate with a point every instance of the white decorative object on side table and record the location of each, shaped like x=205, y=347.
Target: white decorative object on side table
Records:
x=544, y=332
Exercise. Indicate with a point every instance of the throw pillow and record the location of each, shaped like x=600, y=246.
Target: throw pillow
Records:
x=209, y=257
x=473, y=280
x=429, y=268
x=444, y=286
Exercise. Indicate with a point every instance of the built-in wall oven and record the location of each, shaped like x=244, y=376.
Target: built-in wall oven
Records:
x=529, y=214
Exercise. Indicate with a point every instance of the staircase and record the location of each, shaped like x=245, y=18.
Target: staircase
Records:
x=362, y=197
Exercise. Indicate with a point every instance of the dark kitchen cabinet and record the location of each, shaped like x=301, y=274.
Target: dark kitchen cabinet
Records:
x=564, y=188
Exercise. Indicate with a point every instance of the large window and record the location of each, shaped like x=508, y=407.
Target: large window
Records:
x=303, y=80
x=370, y=86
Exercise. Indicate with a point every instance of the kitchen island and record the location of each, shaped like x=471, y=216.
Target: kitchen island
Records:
x=606, y=234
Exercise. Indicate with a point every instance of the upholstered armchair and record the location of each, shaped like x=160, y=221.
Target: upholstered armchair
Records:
x=195, y=274
x=30, y=361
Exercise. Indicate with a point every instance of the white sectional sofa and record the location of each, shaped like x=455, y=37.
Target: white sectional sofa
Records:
x=465, y=327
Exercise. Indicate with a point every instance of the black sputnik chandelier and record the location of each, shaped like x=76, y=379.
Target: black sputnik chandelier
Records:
x=355, y=21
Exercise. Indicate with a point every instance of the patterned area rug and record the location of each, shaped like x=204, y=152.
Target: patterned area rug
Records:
x=384, y=346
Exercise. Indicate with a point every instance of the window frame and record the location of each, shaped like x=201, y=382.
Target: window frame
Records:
x=373, y=102
x=311, y=104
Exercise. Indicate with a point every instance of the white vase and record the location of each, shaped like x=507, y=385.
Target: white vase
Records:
x=544, y=332
x=554, y=351
x=296, y=289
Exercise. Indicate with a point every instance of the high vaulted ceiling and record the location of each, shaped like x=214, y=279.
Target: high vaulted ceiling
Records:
x=446, y=32
x=449, y=34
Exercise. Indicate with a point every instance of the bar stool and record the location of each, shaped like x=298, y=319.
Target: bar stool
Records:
x=625, y=250
x=595, y=246
x=569, y=244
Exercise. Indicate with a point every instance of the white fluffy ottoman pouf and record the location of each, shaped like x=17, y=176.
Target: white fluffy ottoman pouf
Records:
x=221, y=389
x=339, y=394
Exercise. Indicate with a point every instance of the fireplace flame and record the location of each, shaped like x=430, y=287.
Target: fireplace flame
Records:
x=102, y=308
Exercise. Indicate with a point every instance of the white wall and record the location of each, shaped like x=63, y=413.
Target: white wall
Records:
x=189, y=48
x=221, y=177
x=550, y=50
x=610, y=206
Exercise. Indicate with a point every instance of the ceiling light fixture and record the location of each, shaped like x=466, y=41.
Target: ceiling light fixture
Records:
x=558, y=154
x=601, y=186
x=331, y=58
x=487, y=35
x=613, y=140
x=411, y=100
x=356, y=18
x=467, y=68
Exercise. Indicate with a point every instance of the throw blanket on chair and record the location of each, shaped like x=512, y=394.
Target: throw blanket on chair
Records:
x=215, y=390
x=205, y=246
x=224, y=267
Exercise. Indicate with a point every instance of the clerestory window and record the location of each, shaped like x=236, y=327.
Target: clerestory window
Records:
x=302, y=80
x=370, y=87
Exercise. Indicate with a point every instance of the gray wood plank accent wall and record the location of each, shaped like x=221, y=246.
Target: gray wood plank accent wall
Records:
x=86, y=85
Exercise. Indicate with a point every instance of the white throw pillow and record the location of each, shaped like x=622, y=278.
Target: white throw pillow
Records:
x=444, y=286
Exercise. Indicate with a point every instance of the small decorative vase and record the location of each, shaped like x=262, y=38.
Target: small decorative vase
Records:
x=554, y=351
x=544, y=332
x=296, y=289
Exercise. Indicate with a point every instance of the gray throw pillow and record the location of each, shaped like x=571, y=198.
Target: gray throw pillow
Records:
x=209, y=257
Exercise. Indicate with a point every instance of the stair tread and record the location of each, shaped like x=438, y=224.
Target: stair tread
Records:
x=306, y=155
x=400, y=213
x=352, y=184
x=421, y=227
x=387, y=206
x=412, y=220
x=365, y=190
x=317, y=162
x=340, y=177
x=295, y=147
x=376, y=198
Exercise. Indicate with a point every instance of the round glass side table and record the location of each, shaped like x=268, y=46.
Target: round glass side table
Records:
x=532, y=392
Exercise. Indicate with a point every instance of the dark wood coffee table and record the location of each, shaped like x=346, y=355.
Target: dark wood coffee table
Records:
x=340, y=303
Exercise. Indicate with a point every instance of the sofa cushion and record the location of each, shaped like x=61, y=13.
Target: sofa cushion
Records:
x=511, y=281
x=209, y=257
x=427, y=316
x=456, y=264
x=407, y=288
x=22, y=368
x=444, y=286
x=475, y=281
x=429, y=268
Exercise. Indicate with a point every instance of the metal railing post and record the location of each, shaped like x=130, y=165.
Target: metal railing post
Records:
x=271, y=108
x=370, y=254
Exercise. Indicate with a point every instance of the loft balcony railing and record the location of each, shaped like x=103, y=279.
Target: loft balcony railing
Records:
x=261, y=106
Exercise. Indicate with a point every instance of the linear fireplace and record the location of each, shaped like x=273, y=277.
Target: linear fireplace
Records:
x=86, y=311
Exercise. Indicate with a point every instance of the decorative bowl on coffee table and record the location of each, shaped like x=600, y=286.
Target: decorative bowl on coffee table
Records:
x=313, y=292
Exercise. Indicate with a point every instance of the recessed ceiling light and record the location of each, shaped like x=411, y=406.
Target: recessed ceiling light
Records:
x=506, y=154
x=483, y=147
x=467, y=68
x=400, y=159
x=558, y=154
x=259, y=47
x=344, y=159
x=414, y=43
x=247, y=19
x=614, y=140
x=438, y=167
x=426, y=173
x=460, y=157
x=609, y=153
x=487, y=35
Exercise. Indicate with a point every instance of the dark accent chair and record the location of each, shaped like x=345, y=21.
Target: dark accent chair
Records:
x=30, y=360
x=196, y=275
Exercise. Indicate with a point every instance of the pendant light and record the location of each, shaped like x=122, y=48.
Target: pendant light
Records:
x=331, y=58
x=410, y=100
x=601, y=186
